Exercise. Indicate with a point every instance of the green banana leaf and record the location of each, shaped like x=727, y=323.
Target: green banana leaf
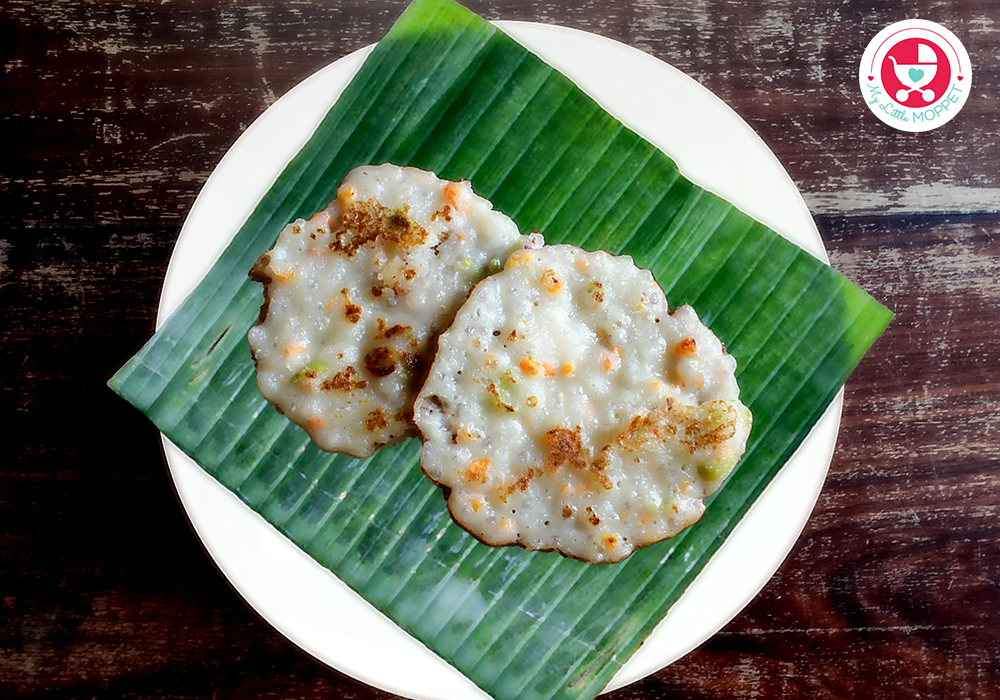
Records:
x=448, y=92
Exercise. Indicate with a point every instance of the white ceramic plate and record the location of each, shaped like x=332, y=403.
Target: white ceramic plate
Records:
x=304, y=601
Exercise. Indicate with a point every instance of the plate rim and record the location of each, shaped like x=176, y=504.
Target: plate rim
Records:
x=821, y=440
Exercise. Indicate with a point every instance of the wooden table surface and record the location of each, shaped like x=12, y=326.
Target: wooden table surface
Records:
x=113, y=116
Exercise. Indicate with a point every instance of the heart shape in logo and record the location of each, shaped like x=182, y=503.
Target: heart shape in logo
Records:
x=915, y=74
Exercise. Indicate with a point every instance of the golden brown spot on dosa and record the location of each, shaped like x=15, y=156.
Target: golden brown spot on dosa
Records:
x=702, y=429
x=444, y=213
x=566, y=447
x=352, y=312
x=686, y=347
x=652, y=426
x=520, y=484
x=396, y=330
x=477, y=470
x=376, y=420
x=344, y=381
x=379, y=362
x=364, y=222
x=551, y=281
x=414, y=363
x=707, y=425
x=389, y=332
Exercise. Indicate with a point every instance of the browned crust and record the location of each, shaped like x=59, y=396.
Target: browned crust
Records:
x=632, y=435
x=344, y=381
x=414, y=363
x=478, y=470
x=551, y=280
x=686, y=347
x=444, y=213
x=391, y=331
x=406, y=236
x=376, y=420
x=446, y=492
x=698, y=438
x=309, y=374
x=257, y=274
x=505, y=491
x=566, y=447
x=367, y=221
x=352, y=312
x=379, y=362
x=643, y=428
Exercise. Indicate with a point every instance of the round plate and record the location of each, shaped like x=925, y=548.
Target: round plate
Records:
x=304, y=601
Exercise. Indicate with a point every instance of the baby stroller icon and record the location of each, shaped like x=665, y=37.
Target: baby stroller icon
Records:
x=915, y=75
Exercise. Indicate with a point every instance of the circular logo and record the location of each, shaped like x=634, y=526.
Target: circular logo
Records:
x=915, y=75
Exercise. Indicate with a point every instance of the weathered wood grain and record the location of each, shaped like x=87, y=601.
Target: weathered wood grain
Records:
x=123, y=109
x=892, y=591
x=112, y=115
x=105, y=590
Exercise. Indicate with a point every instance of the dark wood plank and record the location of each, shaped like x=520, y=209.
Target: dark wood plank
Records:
x=123, y=110
x=106, y=590
x=896, y=574
x=892, y=590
